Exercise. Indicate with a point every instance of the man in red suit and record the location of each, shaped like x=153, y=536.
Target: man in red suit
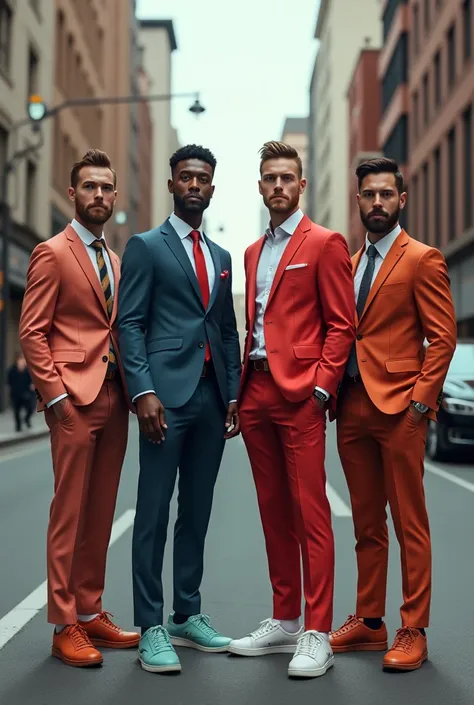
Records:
x=300, y=311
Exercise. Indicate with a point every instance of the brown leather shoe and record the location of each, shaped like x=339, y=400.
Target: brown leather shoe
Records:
x=408, y=652
x=103, y=632
x=73, y=646
x=355, y=636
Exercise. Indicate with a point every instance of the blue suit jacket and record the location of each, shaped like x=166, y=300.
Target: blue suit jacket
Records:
x=163, y=325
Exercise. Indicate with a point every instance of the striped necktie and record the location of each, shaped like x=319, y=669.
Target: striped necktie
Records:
x=98, y=246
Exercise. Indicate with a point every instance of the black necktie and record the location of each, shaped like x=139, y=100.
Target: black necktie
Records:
x=352, y=365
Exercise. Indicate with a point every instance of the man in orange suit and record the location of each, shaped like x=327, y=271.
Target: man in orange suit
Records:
x=300, y=329
x=68, y=335
x=392, y=386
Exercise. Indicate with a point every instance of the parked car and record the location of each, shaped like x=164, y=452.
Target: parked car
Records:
x=454, y=430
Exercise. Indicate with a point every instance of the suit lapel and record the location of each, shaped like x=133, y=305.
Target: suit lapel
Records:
x=393, y=257
x=251, y=276
x=355, y=263
x=217, y=269
x=176, y=246
x=296, y=240
x=116, y=271
x=79, y=251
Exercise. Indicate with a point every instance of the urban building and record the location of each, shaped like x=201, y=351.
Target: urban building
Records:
x=145, y=147
x=26, y=57
x=97, y=55
x=363, y=105
x=159, y=41
x=441, y=140
x=341, y=28
x=295, y=133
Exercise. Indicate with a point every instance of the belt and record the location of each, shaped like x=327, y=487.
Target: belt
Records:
x=260, y=365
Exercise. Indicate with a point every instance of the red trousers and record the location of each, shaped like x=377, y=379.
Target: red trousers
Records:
x=382, y=457
x=88, y=449
x=286, y=446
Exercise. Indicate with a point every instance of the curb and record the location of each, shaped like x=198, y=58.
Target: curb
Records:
x=13, y=440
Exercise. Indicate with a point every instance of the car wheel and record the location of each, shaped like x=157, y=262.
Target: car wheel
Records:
x=434, y=443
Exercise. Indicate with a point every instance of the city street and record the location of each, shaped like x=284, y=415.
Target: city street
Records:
x=236, y=594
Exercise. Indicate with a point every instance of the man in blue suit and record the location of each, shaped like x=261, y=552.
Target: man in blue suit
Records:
x=180, y=350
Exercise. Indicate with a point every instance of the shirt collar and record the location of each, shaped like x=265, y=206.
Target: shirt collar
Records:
x=287, y=228
x=86, y=236
x=383, y=246
x=183, y=229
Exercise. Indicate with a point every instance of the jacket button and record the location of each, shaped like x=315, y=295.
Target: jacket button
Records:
x=200, y=344
x=359, y=336
x=105, y=358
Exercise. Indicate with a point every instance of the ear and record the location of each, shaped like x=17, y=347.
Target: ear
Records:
x=303, y=183
x=403, y=200
x=170, y=186
x=358, y=198
x=71, y=193
x=260, y=188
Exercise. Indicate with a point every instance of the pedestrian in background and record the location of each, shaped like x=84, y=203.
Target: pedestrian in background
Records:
x=21, y=392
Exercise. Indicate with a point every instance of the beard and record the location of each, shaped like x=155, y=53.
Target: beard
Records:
x=183, y=205
x=283, y=206
x=382, y=226
x=97, y=217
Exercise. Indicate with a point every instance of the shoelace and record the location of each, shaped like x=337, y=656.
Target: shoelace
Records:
x=349, y=624
x=308, y=644
x=203, y=622
x=160, y=639
x=105, y=618
x=405, y=639
x=79, y=637
x=267, y=626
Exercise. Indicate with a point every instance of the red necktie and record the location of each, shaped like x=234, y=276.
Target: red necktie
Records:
x=201, y=272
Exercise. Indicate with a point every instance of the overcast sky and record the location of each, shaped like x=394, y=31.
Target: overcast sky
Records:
x=252, y=63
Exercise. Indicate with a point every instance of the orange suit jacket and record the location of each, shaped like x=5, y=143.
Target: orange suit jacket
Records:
x=64, y=327
x=309, y=318
x=409, y=302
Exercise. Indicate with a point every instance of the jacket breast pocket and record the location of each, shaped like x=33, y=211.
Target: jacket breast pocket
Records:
x=162, y=344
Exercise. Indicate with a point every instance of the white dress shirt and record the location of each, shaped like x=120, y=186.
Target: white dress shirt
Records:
x=88, y=238
x=382, y=246
x=275, y=244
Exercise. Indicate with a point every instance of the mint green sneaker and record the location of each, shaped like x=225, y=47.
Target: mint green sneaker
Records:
x=197, y=633
x=156, y=653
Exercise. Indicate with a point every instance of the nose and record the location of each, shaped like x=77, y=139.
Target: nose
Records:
x=99, y=196
x=377, y=201
x=194, y=185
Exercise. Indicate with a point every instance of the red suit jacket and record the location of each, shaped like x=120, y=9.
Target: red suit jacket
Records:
x=309, y=318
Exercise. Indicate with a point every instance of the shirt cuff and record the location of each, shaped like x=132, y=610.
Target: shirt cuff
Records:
x=56, y=399
x=233, y=401
x=148, y=391
x=320, y=389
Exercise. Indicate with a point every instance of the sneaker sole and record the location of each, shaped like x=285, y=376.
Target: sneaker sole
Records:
x=115, y=644
x=187, y=643
x=313, y=673
x=376, y=646
x=78, y=664
x=411, y=667
x=266, y=651
x=176, y=668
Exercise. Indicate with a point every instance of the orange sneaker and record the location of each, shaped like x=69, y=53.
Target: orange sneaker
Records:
x=73, y=646
x=409, y=651
x=103, y=632
x=355, y=636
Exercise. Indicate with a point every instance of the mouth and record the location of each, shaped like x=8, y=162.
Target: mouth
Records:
x=102, y=208
x=279, y=198
x=378, y=216
x=193, y=198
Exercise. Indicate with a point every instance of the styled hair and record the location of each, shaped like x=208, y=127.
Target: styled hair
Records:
x=380, y=165
x=193, y=151
x=94, y=157
x=279, y=150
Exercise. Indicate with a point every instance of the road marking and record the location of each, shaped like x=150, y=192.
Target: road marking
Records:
x=20, y=615
x=450, y=477
x=35, y=447
x=338, y=507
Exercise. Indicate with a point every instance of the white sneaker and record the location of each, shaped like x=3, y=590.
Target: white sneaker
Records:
x=313, y=656
x=269, y=638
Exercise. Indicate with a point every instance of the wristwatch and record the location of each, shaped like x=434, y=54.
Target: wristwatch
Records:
x=320, y=396
x=422, y=408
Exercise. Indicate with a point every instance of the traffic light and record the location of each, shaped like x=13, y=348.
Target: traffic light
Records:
x=36, y=108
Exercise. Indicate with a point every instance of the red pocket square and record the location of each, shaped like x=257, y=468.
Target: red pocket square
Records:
x=224, y=274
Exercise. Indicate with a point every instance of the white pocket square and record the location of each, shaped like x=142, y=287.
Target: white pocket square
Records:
x=296, y=266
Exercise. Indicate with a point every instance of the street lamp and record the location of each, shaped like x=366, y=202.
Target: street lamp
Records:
x=37, y=111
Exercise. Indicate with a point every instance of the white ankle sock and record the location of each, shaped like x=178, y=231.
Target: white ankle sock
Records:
x=59, y=627
x=290, y=625
x=87, y=617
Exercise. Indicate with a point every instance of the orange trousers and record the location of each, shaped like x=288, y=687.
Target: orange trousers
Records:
x=88, y=448
x=383, y=461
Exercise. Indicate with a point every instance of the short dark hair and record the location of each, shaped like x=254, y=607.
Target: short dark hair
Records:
x=380, y=165
x=94, y=157
x=279, y=150
x=193, y=151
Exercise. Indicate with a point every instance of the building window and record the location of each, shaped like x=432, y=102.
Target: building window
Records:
x=416, y=29
x=30, y=195
x=390, y=11
x=468, y=161
x=451, y=55
x=426, y=100
x=396, y=147
x=452, y=184
x=397, y=71
x=426, y=204
x=427, y=15
x=437, y=198
x=5, y=35
x=437, y=79
x=414, y=199
x=3, y=154
x=33, y=66
x=466, y=19
x=415, y=117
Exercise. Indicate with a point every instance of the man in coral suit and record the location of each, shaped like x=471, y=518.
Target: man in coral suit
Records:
x=391, y=388
x=68, y=336
x=300, y=329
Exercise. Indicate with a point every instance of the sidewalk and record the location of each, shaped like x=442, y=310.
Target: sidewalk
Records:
x=8, y=436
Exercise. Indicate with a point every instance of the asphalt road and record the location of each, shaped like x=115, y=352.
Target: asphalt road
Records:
x=236, y=594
